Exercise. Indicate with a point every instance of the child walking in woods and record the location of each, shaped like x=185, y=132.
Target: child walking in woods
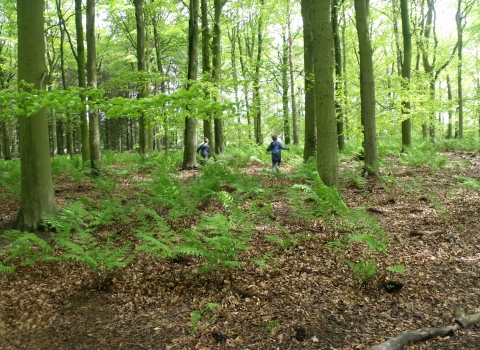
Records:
x=204, y=150
x=276, y=149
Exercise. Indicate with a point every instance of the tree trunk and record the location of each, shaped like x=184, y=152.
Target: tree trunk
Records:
x=293, y=95
x=94, y=125
x=82, y=79
x=206, y=68
x=143, y=145
x=367, y=88
x=406, y=73
x=284, y=75
x=339, y=76
x=36, y=190
x=257, y=110
x=219, y=145
x=189, y=154
x=7, y=150
x=327, y=162
x=310, y=148
x=450, y=114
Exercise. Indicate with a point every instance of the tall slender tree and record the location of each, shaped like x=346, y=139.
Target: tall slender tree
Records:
x=206, y=67
x=310, y=147
x=94, y=125
x=338, y=74
x=367, y=87
x=461, y=19
x=293, y=94
x=36, y=189
x=189, y=160
x=82, y=78
x=217, y=65
x=406, y=73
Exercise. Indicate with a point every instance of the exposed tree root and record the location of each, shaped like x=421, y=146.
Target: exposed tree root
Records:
x=399, y=342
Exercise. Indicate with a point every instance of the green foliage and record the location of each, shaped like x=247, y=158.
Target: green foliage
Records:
x=422, y=154
x=26, y=247
x=396, y=269
x=197, y=315
x=10, y=176
x=327, y=198
x=71, y=167
x=363, y=270
x=271, y=325
x=284, y=243
x=262, y=260
x=469, y=183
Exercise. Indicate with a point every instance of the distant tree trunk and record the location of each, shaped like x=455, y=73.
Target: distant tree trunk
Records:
x=189, y=154
x=7, y=150
x=257, y=110
x=141, y=65
x=450, y=114
x=339, y=76
x=82, y=79
x=327, y=161
x=246, y=84
x=206, y=68
x=293, y=95
x=217, y=66
x=460, y=19
x=94, y=127
x=233, y=56
x=406, y=73
x=60, y=138
x=310, y=147
x=36, y=193
x=367, y=88
x=284, y=75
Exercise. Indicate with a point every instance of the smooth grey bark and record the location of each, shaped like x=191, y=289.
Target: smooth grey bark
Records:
x=82, y=79
x=189, y=154
x=293, y=95
x=310, y=148
x=460, y=19
x=36, y=189
x=339, y=76
x=285, y=88
x=219, y=145
x=257, y=109
x=143, y=144
x=206, y=68
x=406, y=72
x=94, y=125
x=327, y=161
x=367, y=88
x=450, y=114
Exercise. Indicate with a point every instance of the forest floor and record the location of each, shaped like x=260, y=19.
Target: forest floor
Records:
x=306, y=299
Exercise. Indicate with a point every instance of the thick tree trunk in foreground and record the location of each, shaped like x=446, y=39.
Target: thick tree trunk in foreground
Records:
x=327, y=161
x=36, y=193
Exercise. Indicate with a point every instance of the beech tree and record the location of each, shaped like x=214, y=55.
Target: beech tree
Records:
x=367, y=88
x=36, y=193
x=327, y=162
x=189, y=154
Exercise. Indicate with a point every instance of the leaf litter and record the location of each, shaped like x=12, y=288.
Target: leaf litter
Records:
x=305, y=298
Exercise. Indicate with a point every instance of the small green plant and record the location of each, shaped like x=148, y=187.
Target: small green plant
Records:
x=362, y=269
x=197, y=315
x=273, y=324
x=284, y=243
x=262, y=260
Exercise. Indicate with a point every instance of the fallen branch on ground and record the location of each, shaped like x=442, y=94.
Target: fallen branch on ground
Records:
x=399, y=342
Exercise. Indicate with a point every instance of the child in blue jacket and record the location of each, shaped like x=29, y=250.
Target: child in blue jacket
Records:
x=276, y=149
x=204, y=150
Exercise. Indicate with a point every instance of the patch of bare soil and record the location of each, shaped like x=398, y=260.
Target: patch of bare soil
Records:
x=307, y=299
